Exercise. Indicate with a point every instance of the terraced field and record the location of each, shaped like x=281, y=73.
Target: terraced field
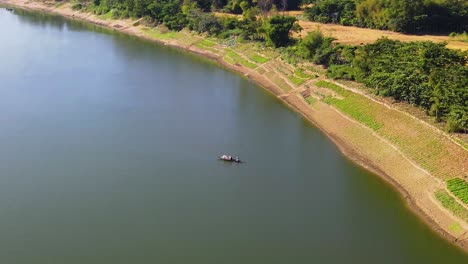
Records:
x=425, y=145
x=451, y=204
x=459, y=188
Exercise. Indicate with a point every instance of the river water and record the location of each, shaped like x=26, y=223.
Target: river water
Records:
x=108, y=155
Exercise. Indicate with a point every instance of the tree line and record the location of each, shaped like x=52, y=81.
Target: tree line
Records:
x=424, y=74
x=408, y=16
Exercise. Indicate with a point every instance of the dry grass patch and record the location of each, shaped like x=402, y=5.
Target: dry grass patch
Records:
x=273, y=76
x=356, y=36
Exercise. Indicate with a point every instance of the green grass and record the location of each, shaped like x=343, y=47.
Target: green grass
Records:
x=311, y=100
x=456, y=228
x=229, y=60
x=206, y=45
x=258, y=59
x=154, y=33
x=459, y=36
x=459, y=188
x=238, y=59
x=452, y=205
x=337, y=89
x=295, y=80
x=301, y=74
x=352, y=104
x=59, y=4
x=107, y=15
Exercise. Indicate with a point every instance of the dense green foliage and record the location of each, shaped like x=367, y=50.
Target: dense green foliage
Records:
x=459, y=188
x=316, y=47
x=193, y=15
x=398, y=15
x=277, y=30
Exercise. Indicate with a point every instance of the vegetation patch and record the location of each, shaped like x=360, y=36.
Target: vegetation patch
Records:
x=59, y=4
x=75, y=7
x=206, y=45
x=229, y=60
x=455, y=228
x=415, y=16
x=108, y=15
x=274, y=77
x=301, y=74
x=311, y=100
x=238, y=59
x=295, y=80
x=336, y=88
x=459, y=36
x=354, y=105
x=258, y=59
x=156, y=34
x=452, y=205
x=459, y=188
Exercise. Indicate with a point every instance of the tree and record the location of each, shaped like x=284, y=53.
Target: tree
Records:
x=264, y=6
x=277, y=30
x=310, y=44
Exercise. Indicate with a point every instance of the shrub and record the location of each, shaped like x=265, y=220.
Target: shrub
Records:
x=77, y=6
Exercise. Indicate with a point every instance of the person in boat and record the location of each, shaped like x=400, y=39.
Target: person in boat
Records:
x=226, y=157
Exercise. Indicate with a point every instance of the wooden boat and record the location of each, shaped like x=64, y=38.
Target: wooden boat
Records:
x=230, y=159
x=10, y=9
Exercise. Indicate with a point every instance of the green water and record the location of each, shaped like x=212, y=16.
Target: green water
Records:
x=108, y=155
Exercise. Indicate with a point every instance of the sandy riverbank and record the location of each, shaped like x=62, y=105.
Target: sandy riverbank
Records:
x=359, y=143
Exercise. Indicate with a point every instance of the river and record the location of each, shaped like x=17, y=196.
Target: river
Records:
x=108, y=155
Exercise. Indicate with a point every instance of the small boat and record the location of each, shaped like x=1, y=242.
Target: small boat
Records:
x=10, y=9
x=230, y=158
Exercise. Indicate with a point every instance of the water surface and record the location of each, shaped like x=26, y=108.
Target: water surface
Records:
x=108, y=155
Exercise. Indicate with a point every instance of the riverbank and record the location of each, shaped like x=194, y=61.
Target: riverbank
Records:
x=378, y=148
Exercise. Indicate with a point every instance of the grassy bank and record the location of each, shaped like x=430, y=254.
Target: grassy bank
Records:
x=414, y=156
